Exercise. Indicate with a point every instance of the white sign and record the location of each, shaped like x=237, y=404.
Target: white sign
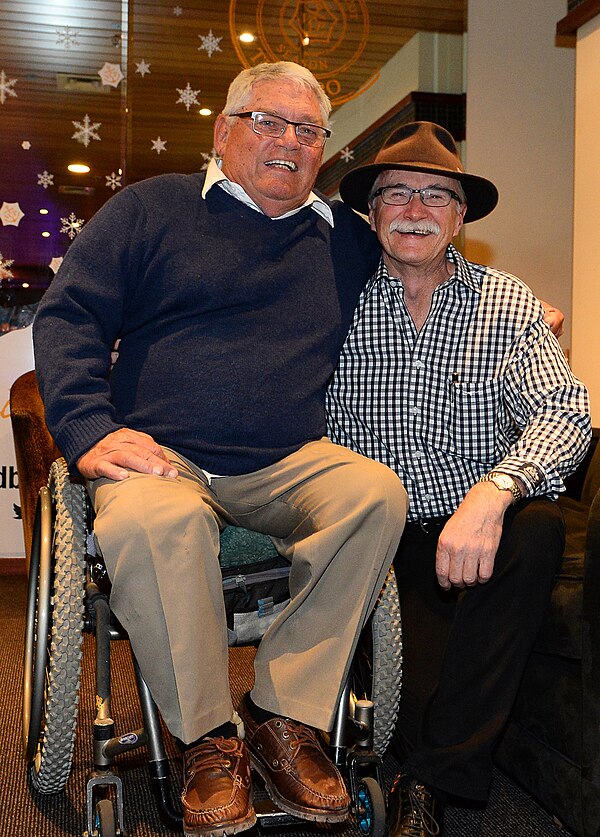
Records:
x=16, y=357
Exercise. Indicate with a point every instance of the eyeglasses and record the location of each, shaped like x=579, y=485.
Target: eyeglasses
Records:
x=268, y=125
x=400, y=195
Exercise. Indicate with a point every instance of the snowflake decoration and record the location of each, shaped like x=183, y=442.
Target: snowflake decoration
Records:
x=5, y=265
x=346, y=154
x=26, y=145
x=208, y=157
x=177, y=11
x=159, y=145
x=86, y=132
x=187, y=96
x=67, y=37
x=110, y=74
x=71, y=225
x=11, y=214
x=6, y=87
x=55, y=263
x=142, y=68
x=210, y=43
x=45, y=179
x=113, y=181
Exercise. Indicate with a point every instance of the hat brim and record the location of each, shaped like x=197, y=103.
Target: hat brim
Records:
x=481, y=194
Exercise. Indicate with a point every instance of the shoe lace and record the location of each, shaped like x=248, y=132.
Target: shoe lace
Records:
x=300, y=734
x=421, y=812
x=214, y=753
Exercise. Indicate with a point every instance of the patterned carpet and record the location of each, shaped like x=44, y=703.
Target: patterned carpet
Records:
x=510, y=813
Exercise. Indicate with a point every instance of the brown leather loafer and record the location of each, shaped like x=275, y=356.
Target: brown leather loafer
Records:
x=216, y=797
x=298, y=776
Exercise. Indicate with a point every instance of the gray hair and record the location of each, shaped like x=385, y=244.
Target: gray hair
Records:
x=240, y=89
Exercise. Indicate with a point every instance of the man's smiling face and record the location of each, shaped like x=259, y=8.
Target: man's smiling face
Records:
x=277, y=173
x=415, y=234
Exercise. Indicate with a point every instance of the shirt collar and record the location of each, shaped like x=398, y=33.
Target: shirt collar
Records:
x=214, y=175
x=469, y=274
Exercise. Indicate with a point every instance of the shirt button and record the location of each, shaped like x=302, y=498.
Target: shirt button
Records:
x=414, y=411
x=418, y=454
x=419, y=364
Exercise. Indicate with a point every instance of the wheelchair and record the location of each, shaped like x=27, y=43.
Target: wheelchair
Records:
x=69, y=595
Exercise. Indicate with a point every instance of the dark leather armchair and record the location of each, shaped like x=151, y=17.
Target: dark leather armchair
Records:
x=552, y=743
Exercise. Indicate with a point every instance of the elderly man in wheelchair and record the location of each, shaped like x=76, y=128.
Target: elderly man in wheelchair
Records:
x=212, y=415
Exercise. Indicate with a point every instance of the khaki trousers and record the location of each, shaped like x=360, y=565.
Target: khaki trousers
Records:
x=336, y=515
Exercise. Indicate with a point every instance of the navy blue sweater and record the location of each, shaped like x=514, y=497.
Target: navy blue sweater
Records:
x=230, y=324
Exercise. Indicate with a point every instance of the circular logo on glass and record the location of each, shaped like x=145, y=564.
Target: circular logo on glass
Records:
x=327, y=36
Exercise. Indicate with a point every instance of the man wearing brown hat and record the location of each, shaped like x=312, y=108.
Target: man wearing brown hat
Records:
x=450, y=376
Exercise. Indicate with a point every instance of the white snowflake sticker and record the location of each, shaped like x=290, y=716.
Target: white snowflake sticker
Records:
x=87, y=131
x=159, y=145
x=6, y=87
x=346, y=154
x=5, y=265
x=210, y=43
x=45, y=179
x=187, y=96
x=110, y=74
x=55, y=263
x=142, y=68
x=67, y=37
x=177, y=11
x=71, y=225
x=11, y=214
x=113, y=181
x=26, y=145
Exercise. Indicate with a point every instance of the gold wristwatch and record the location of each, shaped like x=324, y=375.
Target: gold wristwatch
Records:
x=504, y=482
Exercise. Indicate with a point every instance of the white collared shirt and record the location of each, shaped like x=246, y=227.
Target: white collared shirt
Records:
x=215, y=175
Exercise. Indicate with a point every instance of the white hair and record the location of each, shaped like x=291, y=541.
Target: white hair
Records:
x=240, y=89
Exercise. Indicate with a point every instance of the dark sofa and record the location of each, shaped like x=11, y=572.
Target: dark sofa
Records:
x=552, y=743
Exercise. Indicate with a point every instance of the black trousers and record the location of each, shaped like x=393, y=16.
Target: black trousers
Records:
x=465, y=650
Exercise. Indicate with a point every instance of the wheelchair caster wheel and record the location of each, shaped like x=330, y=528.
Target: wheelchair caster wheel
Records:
x=104, y=819
x=370, y=808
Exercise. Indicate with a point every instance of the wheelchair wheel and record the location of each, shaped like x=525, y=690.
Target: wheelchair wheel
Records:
x=370, y=813
x=105, y=823
x=53, y=634
x=378, y=664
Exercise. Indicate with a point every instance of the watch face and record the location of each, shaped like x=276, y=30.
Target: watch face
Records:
x=503, y=481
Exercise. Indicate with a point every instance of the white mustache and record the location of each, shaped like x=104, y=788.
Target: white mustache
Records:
x=425, y=226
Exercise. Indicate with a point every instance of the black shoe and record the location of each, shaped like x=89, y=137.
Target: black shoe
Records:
x=414, y=810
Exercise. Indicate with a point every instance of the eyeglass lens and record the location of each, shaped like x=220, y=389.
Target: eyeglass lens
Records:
x=401, y=195
x=275, y=126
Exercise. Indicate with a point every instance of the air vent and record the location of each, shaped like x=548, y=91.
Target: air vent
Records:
x=67, y=83
x=76, y=190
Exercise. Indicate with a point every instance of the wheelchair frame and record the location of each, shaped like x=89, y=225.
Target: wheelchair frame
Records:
x=58, y=615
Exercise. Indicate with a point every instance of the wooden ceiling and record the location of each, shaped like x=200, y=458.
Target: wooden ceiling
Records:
x=176, y=57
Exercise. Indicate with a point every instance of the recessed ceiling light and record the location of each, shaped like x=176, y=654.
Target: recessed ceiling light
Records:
x=45, y=234
x=78, y=168
x=205, y=111
x=246, y=37
x=43, y=211
x=25, y=285
x=305, y=41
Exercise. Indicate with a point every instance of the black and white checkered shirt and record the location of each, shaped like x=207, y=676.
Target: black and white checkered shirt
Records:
x=483, y=384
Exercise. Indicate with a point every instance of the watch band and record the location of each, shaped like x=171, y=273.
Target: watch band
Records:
x=504, y=482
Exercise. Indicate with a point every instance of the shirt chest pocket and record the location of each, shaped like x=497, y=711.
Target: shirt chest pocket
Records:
x=475, y=412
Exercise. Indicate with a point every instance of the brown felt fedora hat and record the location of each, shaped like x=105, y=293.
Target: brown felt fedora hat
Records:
x=426, y=147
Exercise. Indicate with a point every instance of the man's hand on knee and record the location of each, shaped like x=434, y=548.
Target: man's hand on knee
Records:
x=469, y=541
x=123, y=451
